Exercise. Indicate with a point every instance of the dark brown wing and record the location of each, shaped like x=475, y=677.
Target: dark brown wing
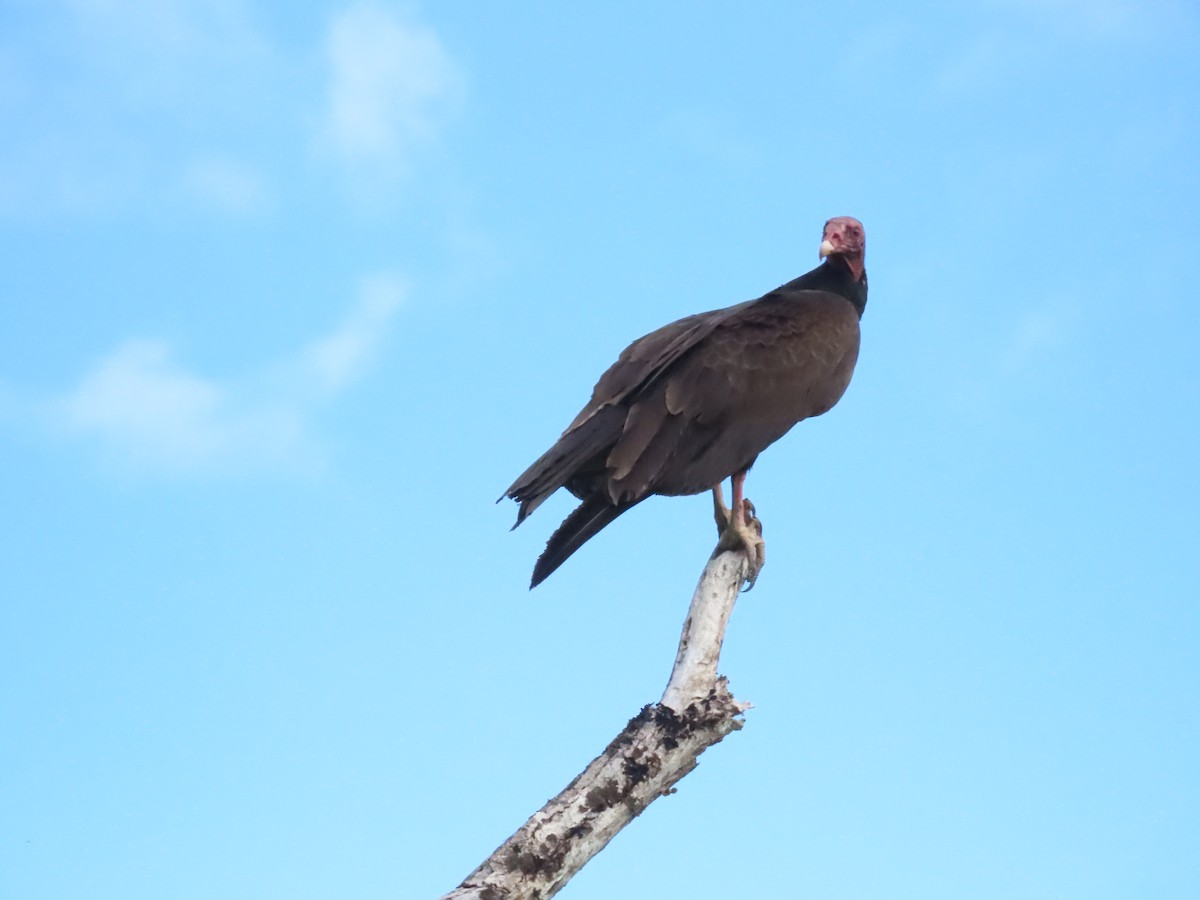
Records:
x=649, y=356
x=754, y=375
x=578, y=458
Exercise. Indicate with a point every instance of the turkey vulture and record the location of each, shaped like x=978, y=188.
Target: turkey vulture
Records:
x=696, y=401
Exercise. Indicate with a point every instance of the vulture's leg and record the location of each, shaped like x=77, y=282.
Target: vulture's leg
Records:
x=741, y=530
x=721, y=512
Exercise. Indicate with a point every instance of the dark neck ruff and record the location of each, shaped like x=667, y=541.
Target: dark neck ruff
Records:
x=833, y=276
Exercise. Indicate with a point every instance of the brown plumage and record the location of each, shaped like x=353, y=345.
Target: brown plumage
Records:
x=696, y=401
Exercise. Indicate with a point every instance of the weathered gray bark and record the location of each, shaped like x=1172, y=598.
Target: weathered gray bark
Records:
x=658, y=747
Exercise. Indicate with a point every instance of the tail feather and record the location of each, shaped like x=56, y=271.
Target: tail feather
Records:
x=581, y=525
x=556, y=466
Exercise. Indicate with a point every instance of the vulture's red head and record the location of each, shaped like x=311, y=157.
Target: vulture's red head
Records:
x=845, y=239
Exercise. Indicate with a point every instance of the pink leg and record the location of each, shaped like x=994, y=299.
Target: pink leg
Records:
x=739, y=499
x=739, y=527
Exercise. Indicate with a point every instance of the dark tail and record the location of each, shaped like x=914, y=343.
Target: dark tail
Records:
x=570, y=453
x=581, y=525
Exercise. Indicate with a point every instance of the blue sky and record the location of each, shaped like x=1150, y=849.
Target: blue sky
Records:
x=289, y=294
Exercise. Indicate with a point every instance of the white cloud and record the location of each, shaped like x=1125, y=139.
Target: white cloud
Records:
x=1110, y=20
x=226, y=185
x=149, y=412
x=1034, y=332
x=102, y=101
x=173, y=23
x=339, y=357
x=392, y=85
x=100, y=98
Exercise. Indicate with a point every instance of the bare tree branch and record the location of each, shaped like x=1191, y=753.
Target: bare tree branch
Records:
x=658, y=747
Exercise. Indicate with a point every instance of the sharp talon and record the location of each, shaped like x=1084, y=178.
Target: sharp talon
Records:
x=742, y=531
x=757, y=557
x=752, y=519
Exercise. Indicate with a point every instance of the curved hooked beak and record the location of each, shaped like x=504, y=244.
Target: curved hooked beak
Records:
x=825, y=250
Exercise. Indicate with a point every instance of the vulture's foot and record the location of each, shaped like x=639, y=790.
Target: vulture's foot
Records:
x=741, y=532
